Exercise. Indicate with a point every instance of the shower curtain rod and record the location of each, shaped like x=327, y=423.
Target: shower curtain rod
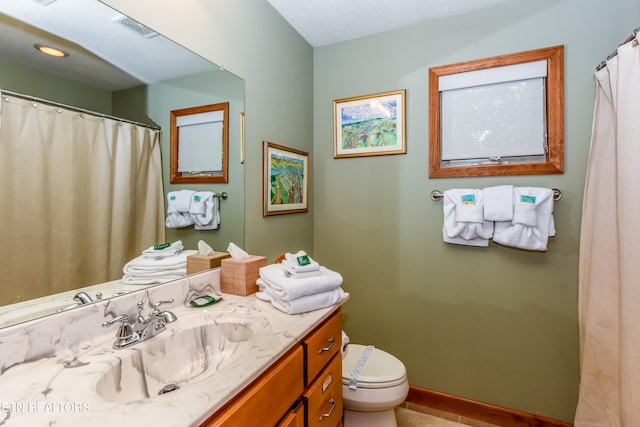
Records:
x=76, y=109
x=615, y=52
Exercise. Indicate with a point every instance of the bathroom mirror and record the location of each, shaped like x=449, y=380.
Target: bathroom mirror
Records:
x=146, y=95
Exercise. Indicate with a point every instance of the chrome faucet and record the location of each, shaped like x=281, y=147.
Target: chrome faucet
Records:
x=84, y=298
x=127, y=336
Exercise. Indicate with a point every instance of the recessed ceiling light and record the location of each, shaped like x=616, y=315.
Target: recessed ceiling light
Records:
x=51, y=51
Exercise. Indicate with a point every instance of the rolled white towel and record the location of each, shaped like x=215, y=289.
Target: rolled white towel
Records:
x=286, y=288
x=300, y=262
x=178, y=220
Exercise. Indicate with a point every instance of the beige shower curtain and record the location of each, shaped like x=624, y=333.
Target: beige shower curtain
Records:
x=79, y=196
x=609, y=275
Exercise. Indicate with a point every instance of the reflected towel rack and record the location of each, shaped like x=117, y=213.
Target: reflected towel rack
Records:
x=437, y=195
x=222, y=196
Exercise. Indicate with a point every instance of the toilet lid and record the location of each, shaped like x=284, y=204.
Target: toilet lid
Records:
x=380, y=370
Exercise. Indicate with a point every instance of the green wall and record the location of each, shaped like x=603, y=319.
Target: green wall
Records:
x=29, y=81
x=493, y=324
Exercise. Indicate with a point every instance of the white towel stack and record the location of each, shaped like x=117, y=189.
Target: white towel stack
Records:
x=299, y=295
x=197, y=208
x=157, y=265
x=300, y=265
x=520, y=217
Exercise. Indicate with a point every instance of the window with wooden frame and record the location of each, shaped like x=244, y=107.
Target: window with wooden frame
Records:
x=200, y=144
x=502, y=115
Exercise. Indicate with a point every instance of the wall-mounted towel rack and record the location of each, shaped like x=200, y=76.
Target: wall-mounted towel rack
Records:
x=437, y=195
x=222, y=195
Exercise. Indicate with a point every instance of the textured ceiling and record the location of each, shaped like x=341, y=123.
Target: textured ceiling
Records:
x=324, y=22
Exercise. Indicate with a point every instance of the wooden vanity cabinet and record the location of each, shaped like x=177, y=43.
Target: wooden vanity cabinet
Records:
x=302, y=389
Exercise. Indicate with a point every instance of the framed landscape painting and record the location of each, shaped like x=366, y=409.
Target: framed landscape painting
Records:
x=370, y=125
x=285, y=179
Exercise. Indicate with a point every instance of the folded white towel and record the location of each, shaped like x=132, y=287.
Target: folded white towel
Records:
x=469, y=204
x=498, y=203
x=287, y=288
x=525, y=203
x=212, y=208
x=300, y=262
x=144, y=263
x=204, y=211
x=306, y=303
x=532, y=220
x=171, y=250
x=150, y=280
x=465, y=204
x=179, y=201
x=297, y=274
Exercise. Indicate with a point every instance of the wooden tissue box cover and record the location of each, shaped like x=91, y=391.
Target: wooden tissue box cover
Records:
x=238, y=276
x=197, y=263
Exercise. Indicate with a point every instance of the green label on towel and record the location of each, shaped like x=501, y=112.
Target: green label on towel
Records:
x=527, y=199
x=468, y=199
x=303, y=260
x=196, y=198
x=162, y=246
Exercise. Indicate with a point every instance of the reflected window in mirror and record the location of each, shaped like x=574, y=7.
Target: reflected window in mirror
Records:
x=200, y=144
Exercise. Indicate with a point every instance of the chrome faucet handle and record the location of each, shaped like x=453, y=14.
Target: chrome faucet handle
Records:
x=156, y=310
x=159, y=303
x=125, y=336
x=122, y=318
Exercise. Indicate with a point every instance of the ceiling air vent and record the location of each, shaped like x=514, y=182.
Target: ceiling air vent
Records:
x=136, y=26
x=44, y=2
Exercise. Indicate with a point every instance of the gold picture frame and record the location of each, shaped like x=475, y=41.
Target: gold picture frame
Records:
x=370, y=125
x=285, y=180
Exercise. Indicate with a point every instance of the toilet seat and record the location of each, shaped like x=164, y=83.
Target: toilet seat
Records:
x=381, y=370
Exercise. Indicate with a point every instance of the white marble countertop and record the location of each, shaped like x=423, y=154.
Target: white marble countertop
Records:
x=67, y=386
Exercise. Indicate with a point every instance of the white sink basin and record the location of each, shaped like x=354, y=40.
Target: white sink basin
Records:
x=177, y=357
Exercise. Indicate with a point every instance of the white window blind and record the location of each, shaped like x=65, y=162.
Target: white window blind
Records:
x=496, y=112
x=200, y=137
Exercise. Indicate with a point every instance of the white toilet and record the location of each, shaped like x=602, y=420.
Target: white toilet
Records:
x=382, y=385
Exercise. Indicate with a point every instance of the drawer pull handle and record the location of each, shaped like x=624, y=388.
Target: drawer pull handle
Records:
x=333, y=343
x=328, y=414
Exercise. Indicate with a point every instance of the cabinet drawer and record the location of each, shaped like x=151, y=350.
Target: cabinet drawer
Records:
x=324, y=396
x=267, y=398
x=294, y=418
x=321, y=345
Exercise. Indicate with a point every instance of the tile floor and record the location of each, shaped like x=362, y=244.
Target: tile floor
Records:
x=410, y=415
